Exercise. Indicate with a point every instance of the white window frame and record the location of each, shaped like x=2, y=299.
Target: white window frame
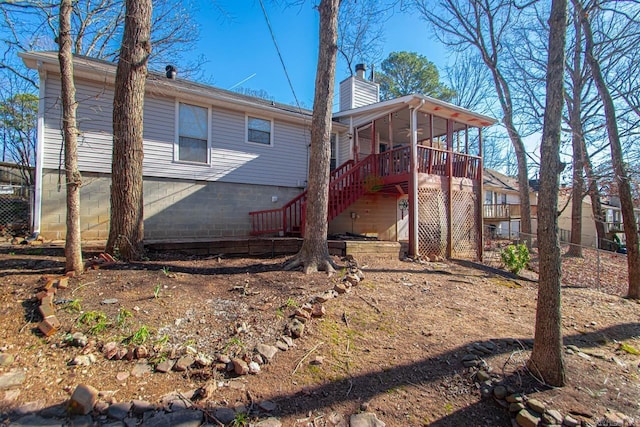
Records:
x=176, y=144
x=246, y=130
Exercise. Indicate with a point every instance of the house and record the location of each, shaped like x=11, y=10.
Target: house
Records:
x=501, y=209
x=220, y=164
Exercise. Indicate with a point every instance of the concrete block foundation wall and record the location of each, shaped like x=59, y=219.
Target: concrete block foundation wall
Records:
x=174, y=209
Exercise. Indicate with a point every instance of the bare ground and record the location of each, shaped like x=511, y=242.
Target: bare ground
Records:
x=392, y=345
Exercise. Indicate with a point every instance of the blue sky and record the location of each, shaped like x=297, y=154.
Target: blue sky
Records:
x=238, y=46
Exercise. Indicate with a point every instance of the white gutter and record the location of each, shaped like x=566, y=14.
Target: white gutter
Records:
x=37, y=197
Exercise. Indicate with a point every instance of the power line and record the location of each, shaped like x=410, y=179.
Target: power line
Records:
x=273, y=37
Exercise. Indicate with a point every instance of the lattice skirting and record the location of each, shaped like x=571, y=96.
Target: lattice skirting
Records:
x=432, y=223
x=465, y=225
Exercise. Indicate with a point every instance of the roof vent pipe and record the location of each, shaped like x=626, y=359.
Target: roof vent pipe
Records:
x=360, y=69
x=172, y=72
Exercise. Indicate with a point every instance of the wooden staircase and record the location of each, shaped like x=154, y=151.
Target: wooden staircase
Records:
x=347, y=184
x=384, y=172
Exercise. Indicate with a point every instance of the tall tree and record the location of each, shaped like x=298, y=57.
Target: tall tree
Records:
x=484, y=26
x=18, y=121
x=404, y=73
x=126, y=227
x=617, y=160
x=574, y=106
x=546, y=357
x=314, y=253
x=72, y=247
x=360, y=31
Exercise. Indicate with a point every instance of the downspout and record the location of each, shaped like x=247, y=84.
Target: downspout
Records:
x=413, y=184
x=37, y=196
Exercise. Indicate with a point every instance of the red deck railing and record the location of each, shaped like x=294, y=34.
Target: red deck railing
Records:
x=351, y=180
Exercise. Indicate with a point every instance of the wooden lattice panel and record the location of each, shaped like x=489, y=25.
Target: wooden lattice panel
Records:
x=464, y=225
x=432, y=222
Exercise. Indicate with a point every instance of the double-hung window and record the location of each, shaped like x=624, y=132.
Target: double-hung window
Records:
x=259, y=131
x=193, y=134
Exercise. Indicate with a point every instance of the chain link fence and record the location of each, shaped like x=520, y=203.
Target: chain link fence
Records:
x=598, y=269
x=16, y=210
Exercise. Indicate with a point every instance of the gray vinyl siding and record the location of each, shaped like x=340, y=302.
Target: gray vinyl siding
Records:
x=232, y=159
x=356, y=92
x=344, y=149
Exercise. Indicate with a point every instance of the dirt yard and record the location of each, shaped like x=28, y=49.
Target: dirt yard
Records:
x=394, y=344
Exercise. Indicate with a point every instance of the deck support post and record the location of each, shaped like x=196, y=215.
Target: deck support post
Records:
x=480, y=196
x=413, y=186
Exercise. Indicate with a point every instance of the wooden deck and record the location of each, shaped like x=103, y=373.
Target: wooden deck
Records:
x=277, y=246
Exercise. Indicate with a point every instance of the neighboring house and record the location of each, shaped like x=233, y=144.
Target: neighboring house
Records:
x=220, y=164
x=502, y=205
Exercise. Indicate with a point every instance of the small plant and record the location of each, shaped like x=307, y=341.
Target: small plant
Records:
x=515, y=258
x=123, y=315
x=629, y=349
x=162, y=340
x=73, y=306
x=156, y=291
x=90, y=317
x=165, y=271
x=235, y=341
x=140, y=336
x=290, y=303
x=241, y=420
x=279, y=313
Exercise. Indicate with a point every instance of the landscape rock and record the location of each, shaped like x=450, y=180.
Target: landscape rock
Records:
x=281, y=345
x=318, y=310
x=365, y=419
x=352, y=278
x=79, y=339
x=500, y=392
x=516, y=407
x=119, y=411
x=287, y=340
x=295, y=328
x=6, y=359
x=140, y=369
x=569, y=421
x=82, y=400
x=254, y=368
x=122, y=376
x=139, y=407
x=536, y=405
x=340, y=288
x=269, y=422
x=34, y=420
x=482, y=375
x=11, y=379
x=82, y=360
x=203, y=360
x=527, y=418
x=266, y=351
x=184, y=363
x=165, y=366
x=141, y=352
x=267, y=405
x=225, y=415
x=240, y=367
x=110, y=349
x=552, y=416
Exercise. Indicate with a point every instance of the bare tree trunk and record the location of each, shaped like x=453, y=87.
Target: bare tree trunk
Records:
x=577, y=143
x=314, y=254
x=594, y=195
x=546, y=357
x=126, y=228
x=73, y=246
x=621, y=175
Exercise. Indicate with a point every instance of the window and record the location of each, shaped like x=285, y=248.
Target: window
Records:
x=259, y=131
x=193, y=134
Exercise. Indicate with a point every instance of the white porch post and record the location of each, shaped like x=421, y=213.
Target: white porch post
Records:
x=413, y=186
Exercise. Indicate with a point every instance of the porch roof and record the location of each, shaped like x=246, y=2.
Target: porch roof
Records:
x=426, y=104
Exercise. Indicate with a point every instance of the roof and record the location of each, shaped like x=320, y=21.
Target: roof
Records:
x=425, y=104
x=495, y=179
x=158, y=83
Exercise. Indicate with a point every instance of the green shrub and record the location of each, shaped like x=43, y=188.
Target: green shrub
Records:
x=515, y=258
